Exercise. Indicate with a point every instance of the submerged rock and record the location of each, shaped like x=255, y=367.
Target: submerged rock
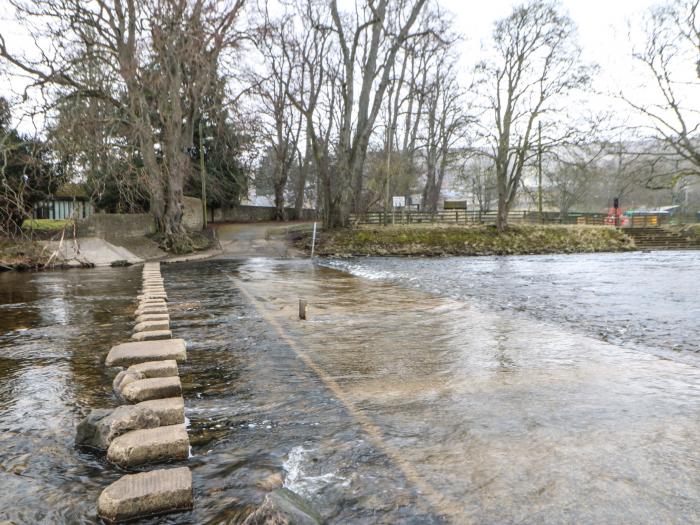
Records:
x=102, y=426
x=284, y=507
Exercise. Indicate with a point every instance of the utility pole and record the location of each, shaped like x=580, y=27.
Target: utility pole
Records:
x=203, y=174
x=388, y=177
x=539, y=171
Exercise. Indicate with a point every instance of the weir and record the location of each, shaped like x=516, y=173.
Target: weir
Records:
x=149, y=428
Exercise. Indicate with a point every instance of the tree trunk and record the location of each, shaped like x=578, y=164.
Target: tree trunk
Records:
x=502, y=215
x=280, y=183
x=301, y=182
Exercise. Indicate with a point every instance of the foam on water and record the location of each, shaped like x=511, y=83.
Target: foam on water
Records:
x=298, y=481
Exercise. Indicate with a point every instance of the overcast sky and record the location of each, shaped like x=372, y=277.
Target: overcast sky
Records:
x=602, y=25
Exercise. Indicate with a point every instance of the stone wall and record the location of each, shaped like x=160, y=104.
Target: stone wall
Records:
x=116, y=225
x=258, y=214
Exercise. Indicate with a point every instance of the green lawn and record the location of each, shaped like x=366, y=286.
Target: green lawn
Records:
x=46, y=224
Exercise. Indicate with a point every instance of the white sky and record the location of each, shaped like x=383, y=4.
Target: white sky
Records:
x=602, y=24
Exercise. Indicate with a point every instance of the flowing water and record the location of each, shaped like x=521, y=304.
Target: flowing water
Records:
x=418, y=391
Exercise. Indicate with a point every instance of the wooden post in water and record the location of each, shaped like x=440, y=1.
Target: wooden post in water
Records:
x=302, y=309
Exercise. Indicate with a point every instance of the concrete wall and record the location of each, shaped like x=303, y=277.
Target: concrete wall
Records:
x=257, y=214
x=116, y=225
x=192, y=217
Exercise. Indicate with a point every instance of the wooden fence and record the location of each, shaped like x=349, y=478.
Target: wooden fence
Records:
x=473, y=217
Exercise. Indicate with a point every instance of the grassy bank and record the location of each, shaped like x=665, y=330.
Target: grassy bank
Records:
x=431, y=240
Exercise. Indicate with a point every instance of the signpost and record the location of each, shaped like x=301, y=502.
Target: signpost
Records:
x=398, y=201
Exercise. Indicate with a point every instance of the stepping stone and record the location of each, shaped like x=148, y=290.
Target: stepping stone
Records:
x=152, y=325
x=156, y=289
x=170, y=411
x=166, y=368
x=151, y=388
x=150, y=445
x=152, y=294
x=162, y=296
x=152, y=317
x=151, y=301
x=146, y=494
x=123, y=378
x=102, y=426
x=127, y=354
x=152, y=335
x=151, y=309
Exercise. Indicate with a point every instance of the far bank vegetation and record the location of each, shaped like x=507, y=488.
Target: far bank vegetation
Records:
x=467, y=240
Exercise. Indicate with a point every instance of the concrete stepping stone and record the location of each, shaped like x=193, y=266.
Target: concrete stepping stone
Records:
x=151, y=309
x=165, y=368
x=102, y=426
x=127, y=354
x=150, y=445
x=153, y=295
x=123, y=378
x=151, y=388
x=152, y=300
x=146, y=494
x=152, y=335
x=145, y=370
x=162, y=324
x=152, y=317
x=151, y=289
x=149, y=300
x=170, y=411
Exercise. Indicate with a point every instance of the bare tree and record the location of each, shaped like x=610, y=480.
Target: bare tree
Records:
x=310, y=94
x=572, y=174
x=537, y=64
x=671, y=57
x=271, y=86
x=369, y=38
x=159, y=58
x=445, y=123
x=476, y=176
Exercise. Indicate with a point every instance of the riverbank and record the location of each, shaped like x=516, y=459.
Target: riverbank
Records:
x=22, y=255
x=431, y=240
x=64, y=250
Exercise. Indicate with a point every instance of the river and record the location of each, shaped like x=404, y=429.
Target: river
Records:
x=418, y=391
